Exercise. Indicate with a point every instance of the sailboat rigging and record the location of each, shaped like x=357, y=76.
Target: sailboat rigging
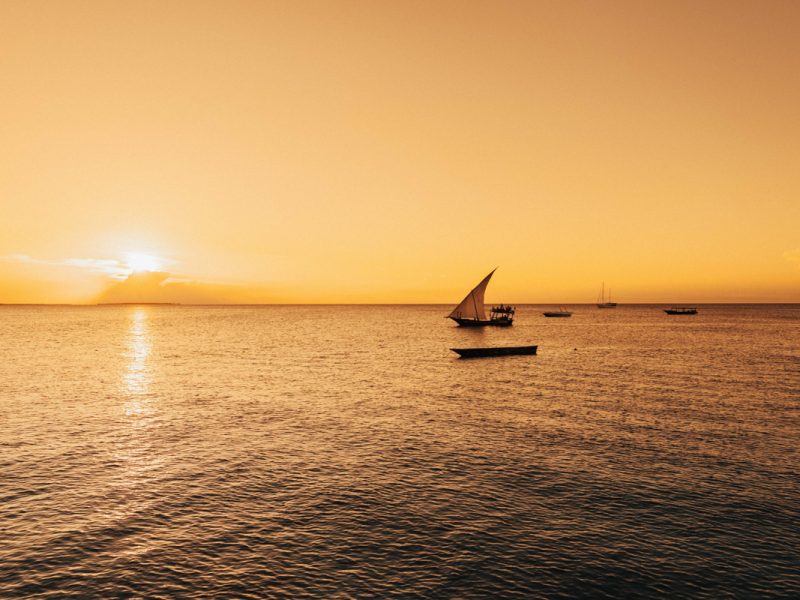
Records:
x=471, y=313
x=602, y=302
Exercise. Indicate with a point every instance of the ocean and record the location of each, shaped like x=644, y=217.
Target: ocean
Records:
x=345, y=452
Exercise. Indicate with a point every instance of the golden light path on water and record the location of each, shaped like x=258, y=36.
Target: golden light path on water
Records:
x=137, y=460
x=136, y=378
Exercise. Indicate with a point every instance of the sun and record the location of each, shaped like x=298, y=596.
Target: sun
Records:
x=139, y=262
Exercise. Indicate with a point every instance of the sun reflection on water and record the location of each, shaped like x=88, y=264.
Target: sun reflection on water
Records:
x=136, y=461
x=137, y=376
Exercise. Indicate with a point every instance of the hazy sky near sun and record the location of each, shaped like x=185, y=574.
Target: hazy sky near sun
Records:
x=397, y=151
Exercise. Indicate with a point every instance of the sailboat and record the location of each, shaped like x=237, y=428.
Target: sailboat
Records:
x=602, y=302
x=471, y=313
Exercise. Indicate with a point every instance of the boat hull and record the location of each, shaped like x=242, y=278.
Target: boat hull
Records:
x=607, y=305
x=557, y=314
x=486, y=352
x=671, y=311
x=483, y=323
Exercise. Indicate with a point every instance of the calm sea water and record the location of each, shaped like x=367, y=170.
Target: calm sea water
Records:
x=309, y=451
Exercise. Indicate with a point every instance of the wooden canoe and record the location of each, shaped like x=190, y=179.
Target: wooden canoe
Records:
x=498, y=351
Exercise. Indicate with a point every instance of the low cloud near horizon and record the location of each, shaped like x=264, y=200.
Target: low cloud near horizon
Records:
x=164, y=287
x=25, y=279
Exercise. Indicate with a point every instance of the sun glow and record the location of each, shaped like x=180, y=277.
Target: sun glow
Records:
x=139, y=262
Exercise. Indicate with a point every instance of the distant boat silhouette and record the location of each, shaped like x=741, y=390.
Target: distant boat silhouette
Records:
x=471, y=313
x=602, y=302
x=497, y=351
x=561, y=312
x=681, y=310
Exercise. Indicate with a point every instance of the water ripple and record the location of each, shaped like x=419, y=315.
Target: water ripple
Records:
x=276, y=452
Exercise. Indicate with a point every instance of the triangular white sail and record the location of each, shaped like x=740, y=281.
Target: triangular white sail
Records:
x=471, y=307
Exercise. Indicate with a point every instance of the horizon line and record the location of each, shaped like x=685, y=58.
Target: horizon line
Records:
x=109, y=304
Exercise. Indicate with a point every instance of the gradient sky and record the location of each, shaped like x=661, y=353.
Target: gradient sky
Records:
x=398, y=151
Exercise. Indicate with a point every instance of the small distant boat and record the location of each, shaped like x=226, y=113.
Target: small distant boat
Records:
x=471, y=311
x=561, y=312
x=602, y=302
x=681, y=310
x=498, y=351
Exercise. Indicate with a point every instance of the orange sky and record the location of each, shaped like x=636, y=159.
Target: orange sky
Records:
x=397, y=151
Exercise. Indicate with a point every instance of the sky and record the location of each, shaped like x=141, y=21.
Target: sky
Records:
x=336, y=151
